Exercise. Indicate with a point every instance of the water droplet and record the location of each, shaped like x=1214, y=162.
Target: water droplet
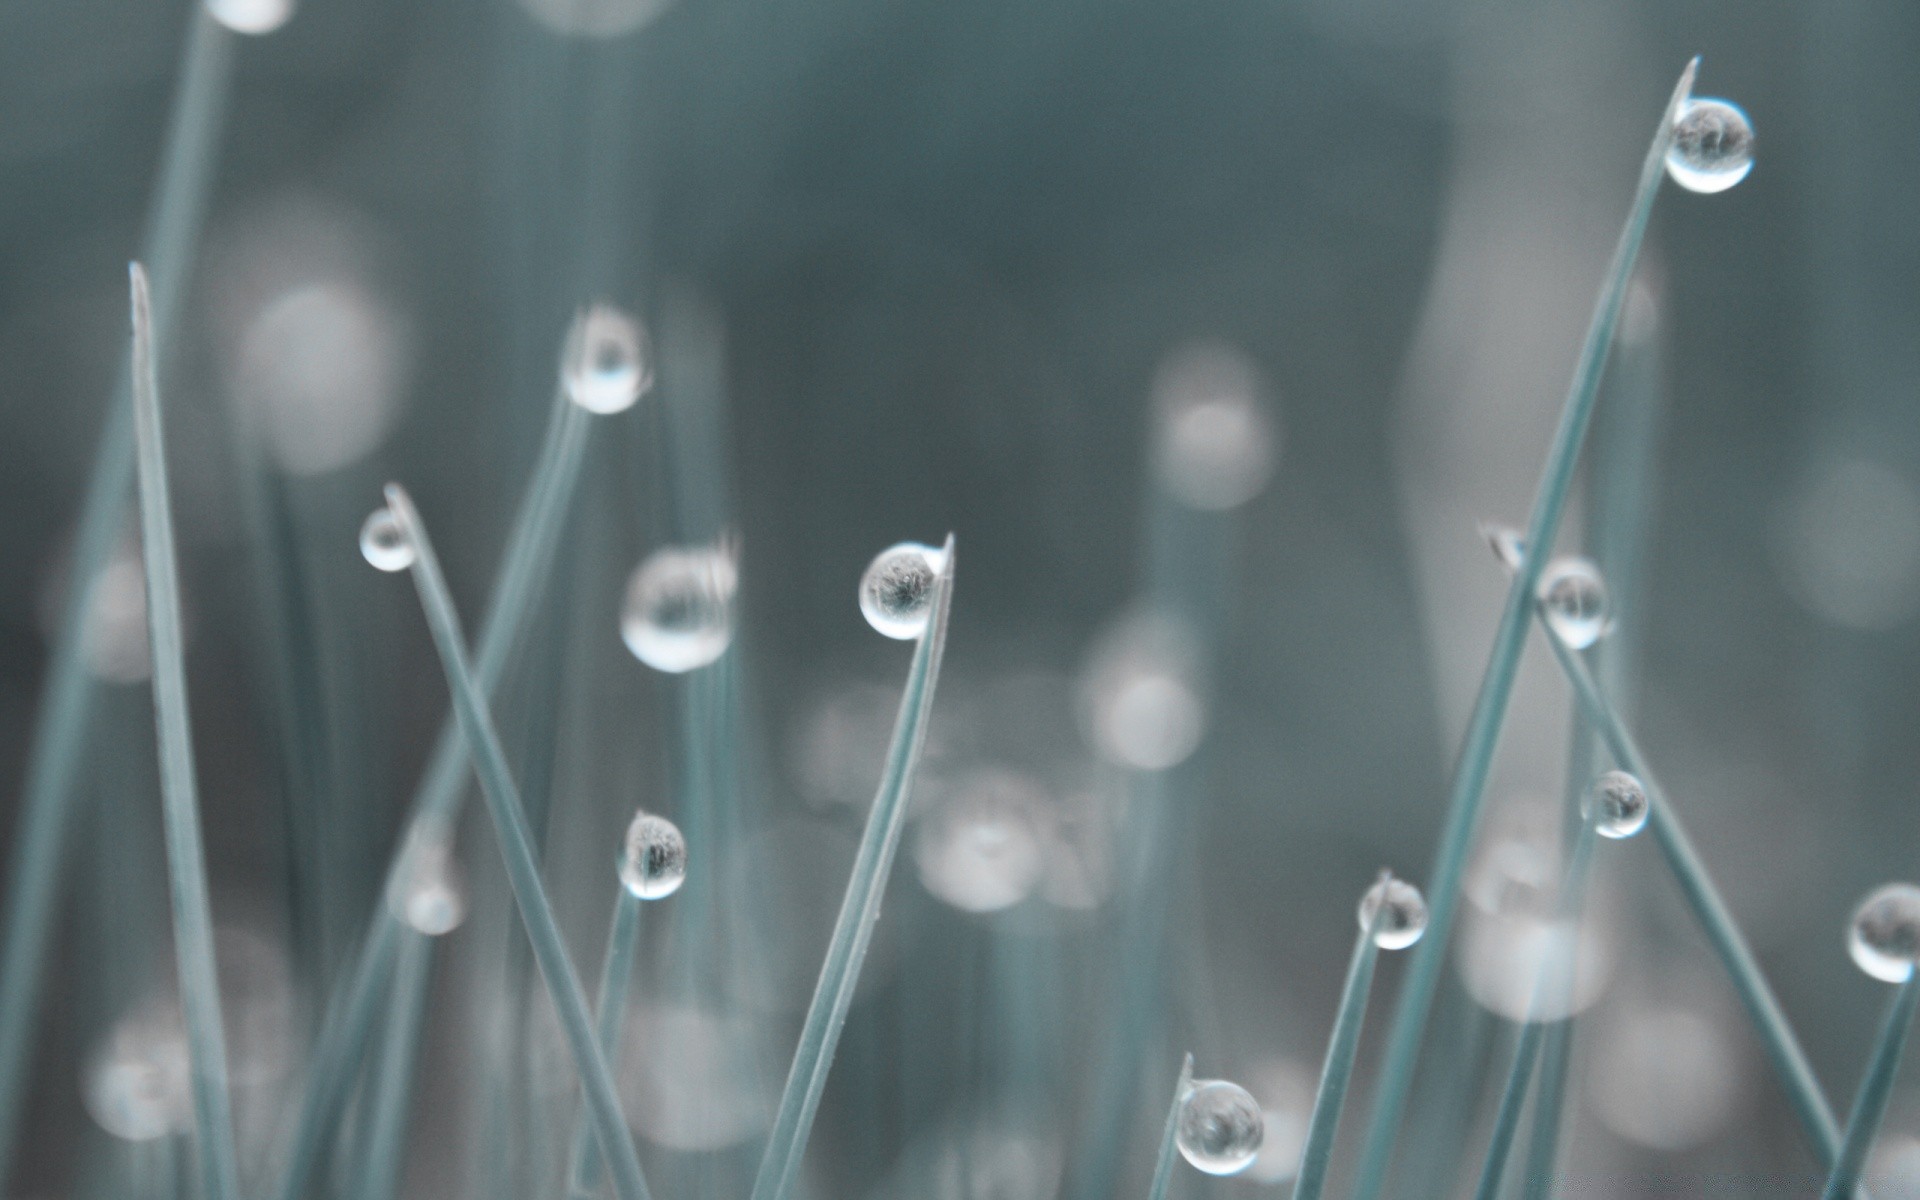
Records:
x=678, y=613
x=654, y=864
x=1142, y=701
x=1395, y=911
x=429, y=892
x=1712, y=146
x=136, y=1080
x=384, y=544
x=1220, y=1127
x=608, y=360
x=1214, y=442
x=1884, y=936
x=978, y=844
x=896, y=591
x=251, y=16
x=1507, y=545
x=1575, y=596
x=1617, y=805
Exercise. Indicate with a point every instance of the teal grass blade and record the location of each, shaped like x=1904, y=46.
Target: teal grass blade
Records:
x=610, y=1013
x=1316, y=1155
x=833, y=994
x=1870, y=1105
x=1163, y=1165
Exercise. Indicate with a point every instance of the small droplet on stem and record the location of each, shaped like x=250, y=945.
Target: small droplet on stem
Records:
x=608, y=360
x=896, y=590
x=678, y=613
x=653, y=864
x=1884, y=935
x=384, y=543
x=252, y=17
x=1393, y=912
x=1617, y=804
x=1507, y=545
x=1575, y=596
x=1712, y=146
x=1220, y=1128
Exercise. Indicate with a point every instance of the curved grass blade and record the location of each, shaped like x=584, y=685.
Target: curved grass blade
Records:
x=179, y=791
x=1496, y=686
x=516, y=847
x=356, y=1001
x=793, y=1121
x=610, y=1013
x=1776, y=1035
x=1870, y=1105
x=385, y=1151
x=1316, y=1155
x=48, y=801
x=1163, y=1165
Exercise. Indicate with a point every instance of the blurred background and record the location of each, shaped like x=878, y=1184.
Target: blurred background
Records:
x=1212, y=330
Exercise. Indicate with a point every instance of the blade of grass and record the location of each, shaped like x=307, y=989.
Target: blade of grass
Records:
x=384, y=1154
x=1556, y=969
x=516, y=847
x=1316, y=1154
x=49, y=800
x=610, y=1012
x=800, y=1099
x=179, y=791
x=1776, y=1035
x=1870, y=1104
x=1503, y=662
x=355, y=1004
x=1163, y=1166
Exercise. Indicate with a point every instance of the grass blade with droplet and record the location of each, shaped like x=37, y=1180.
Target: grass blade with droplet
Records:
x=516, y=847
x=793, y=1121
x=179, y=788
x=1316, y=1154
x=1870, y=1105
x=610, y=1013
x=1163, y=1165
x=1503, y=663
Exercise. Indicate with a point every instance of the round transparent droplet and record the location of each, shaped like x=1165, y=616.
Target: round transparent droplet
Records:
x=654, y=862
x=429, y=893
x=1220, y=1127
x=978, y=844
x=1509, y=548
x=136, y=1080
x=608, y=361
x=1712, y=146
x=1617, y=805
x=1884, y=936
x=896, y=591
x=1395, y=911
x=1214, y=442
x=384, y=544
x=253, y=17
x=678, y=612
x=1575, y=596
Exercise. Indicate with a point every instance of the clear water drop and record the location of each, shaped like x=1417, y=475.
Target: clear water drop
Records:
x=1508, y=547
x=136, y=1081
x=654, y=862
x=978, y=843
x=896, y=590
x=1884, y=935
x=608, y=360
x=1712, y=146
x=1214, y=441
x=1617, y=805
x=1395, y=911
x=429, y=892
x=254, y=17
x=678, y=612
x=1220, y=1127
x=384, y=544
x=1575, y=596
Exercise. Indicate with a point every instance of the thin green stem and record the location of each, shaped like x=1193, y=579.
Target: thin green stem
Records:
x=1163, y=1165
x=1870, y=1104
x=516, y=847
x=1316, y=1155
x=1496, y=686
x=49, y=801
x=1556, y=969
x=355, y=1004
x=1776, y=1035
x=179, y=790
x=610, y=1013
x=853, y=930
x=396, y=1065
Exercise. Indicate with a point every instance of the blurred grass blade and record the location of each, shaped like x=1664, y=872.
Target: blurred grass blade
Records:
x=381, y=1160
x=1776, y=1035
x=179, y=792
x=48, y=800
x=1316, y=1154
x=1870, y=1105
x=516, y=847
x=1163, y=1165
x=1555, y=971
x=1496, y=686
x=792, y=1122
x=610, y=1012
x=355, y=1005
